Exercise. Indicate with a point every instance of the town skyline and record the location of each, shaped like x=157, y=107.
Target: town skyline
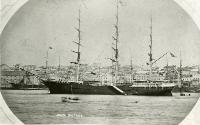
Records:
x=97, y=65
x=25, y=41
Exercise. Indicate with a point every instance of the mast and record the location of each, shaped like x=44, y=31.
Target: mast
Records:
x=150, y=52
x=46, y=61
x=47, y=55
x=167, y=65
x=100, y=77
x=116, y=39
x=112, y=67
x=59, y=64
x=131, y=69
x=180, y=74
x=78, y=46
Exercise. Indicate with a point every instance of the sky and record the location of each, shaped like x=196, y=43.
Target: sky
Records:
x=43, y=23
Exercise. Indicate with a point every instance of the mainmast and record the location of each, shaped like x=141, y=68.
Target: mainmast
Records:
x=116, y=39
x=150, y=52
x=78, y=46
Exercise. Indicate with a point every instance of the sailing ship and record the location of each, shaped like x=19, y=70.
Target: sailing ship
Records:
x=147, y=87
x=180, y=78
x=180, y=87
x=79, y=86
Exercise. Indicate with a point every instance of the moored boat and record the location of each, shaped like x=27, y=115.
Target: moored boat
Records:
x=70, y=99
x=77, y=86
x=148, y=87
x=58, y=87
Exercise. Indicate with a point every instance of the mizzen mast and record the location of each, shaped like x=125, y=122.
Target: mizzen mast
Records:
x=116, y=39
x=78, y=47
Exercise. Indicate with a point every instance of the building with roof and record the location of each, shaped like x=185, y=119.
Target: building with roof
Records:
x=15, y=77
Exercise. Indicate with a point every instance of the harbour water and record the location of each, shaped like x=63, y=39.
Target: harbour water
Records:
x=40, y=107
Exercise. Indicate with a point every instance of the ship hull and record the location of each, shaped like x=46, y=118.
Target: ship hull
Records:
x=186, y=89
x=56, y=87
x=147, y=91
x=24, y=87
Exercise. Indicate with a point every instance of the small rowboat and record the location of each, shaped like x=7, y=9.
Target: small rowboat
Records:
x=70, y=100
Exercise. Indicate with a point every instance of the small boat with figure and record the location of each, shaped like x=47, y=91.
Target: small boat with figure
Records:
x=70, y=99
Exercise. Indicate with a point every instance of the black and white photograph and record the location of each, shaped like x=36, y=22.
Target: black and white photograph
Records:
x=112, y=62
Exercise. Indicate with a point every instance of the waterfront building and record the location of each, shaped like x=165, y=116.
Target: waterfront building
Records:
x=107, y=78
x=144, y=76
x=191, y=76
x=4, y=67
x=13, y=75
x=9, y=76
x=29, y=67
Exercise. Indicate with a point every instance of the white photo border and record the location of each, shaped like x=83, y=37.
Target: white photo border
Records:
x=8, y=9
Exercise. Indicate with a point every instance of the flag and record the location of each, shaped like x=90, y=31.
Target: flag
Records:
x=50, y=47
x=172, y=55
x=93, y=73
x=122, y=3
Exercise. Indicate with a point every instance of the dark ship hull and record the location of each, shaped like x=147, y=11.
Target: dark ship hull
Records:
x=186, y=89
x=147, y=91
x=56, y=87
x=25, y=87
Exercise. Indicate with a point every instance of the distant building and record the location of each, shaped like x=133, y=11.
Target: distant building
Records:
x=107, y=78
x=196, y=80
x=187, y=78
x=191, y=76
x=29, y=67
x=8, y=77
x=145, y=77
x=17, y=66
x=4, y=67
x=196, y=77
x=171, y=73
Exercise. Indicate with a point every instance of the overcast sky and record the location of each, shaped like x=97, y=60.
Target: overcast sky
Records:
x=43, y=23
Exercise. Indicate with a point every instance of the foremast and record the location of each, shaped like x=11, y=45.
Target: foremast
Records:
x=77, y=62
x=116, y=39
x=150, y=52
